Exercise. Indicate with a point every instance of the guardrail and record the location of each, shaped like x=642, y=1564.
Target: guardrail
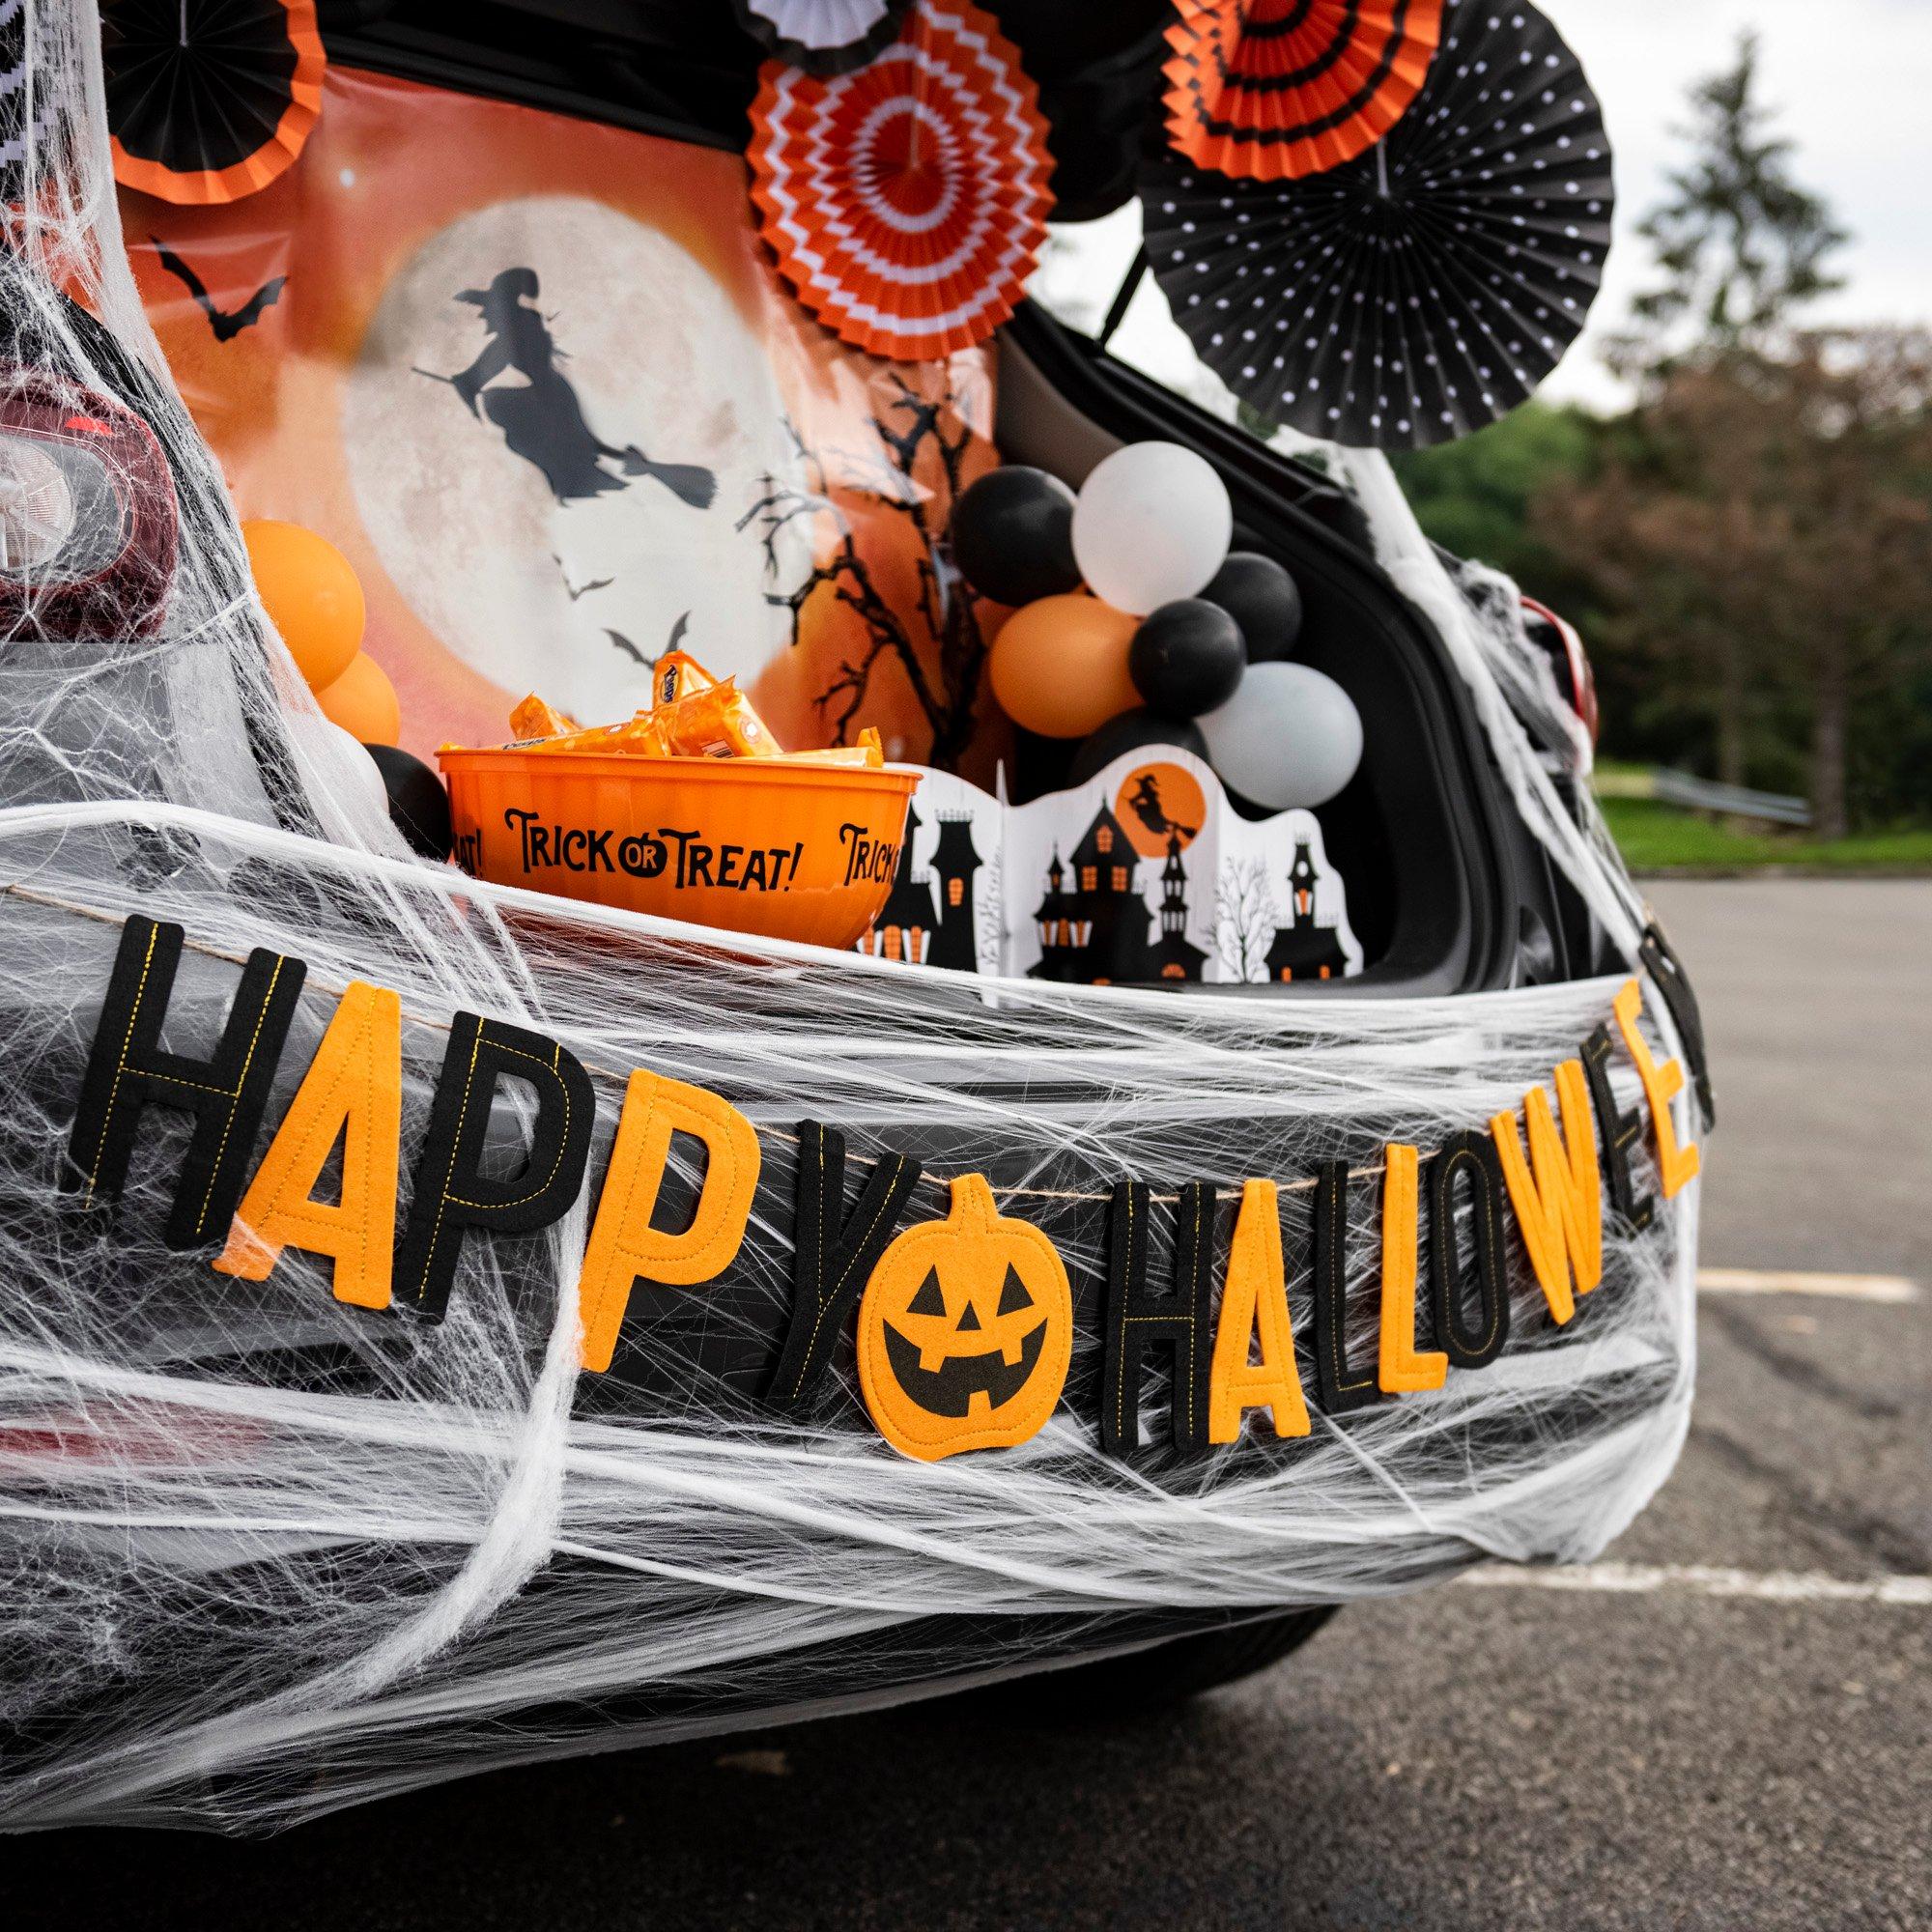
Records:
x=1695, y=794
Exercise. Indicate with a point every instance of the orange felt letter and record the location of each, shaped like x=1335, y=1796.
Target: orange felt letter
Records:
x=1254, y=1302
x=1557, y=1193
x=352, y=1092
x=1404, y=1368
x=1661, y=1085
x=623, y=1243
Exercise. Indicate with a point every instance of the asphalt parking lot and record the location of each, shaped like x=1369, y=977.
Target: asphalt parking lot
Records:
x=1727, y=1723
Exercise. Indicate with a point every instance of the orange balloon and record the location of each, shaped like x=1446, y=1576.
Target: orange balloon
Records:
x=312, y=595
x=364, y=702
x=1060, y=666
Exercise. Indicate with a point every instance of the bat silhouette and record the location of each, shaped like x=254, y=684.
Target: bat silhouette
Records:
x=672, y=643
x=227, y=323
x=576, y=590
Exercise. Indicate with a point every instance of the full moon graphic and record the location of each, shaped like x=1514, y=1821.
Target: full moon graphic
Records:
x=556, y=421
x=1155, y=801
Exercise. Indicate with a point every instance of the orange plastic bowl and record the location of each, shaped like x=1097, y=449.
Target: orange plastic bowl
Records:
x=750, y=844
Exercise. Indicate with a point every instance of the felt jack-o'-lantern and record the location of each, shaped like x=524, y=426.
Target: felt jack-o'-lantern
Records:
x=965, y=1331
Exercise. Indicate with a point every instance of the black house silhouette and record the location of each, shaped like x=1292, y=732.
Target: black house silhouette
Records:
x=1301, y=949
x=1094, y=931
x=910, y=926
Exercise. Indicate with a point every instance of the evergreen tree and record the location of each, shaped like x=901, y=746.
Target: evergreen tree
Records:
x=1740, y=245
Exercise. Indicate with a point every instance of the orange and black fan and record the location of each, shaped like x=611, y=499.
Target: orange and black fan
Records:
x=1272, y=90
x=208, y=101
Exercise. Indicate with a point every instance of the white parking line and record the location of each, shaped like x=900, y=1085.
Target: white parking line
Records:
x=1846, y=1287
x=1775, y=1586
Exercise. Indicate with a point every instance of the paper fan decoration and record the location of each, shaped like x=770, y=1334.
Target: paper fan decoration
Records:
x=1424, y=290
x=1269, y=90
x=906, y=201
x=27, y=119
x=823, y=35
x=208, y=101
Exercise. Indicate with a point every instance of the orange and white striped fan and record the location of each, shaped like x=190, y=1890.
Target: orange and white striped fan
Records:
x=1272, y=90
x=907, y=201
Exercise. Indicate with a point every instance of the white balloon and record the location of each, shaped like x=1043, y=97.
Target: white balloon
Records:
x=1288, y=736
x=1151, y=523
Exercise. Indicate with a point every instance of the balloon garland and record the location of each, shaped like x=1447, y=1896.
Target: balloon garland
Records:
x=1144, y=629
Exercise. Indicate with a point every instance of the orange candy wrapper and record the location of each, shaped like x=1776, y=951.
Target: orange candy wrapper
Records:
x=693, y=715
x=534, y=719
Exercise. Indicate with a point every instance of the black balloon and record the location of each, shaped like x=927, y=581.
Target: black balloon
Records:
x=1262, y=598
x=1186, y=658
x=1132, y=731
x=1012, y=535
x=418, y=804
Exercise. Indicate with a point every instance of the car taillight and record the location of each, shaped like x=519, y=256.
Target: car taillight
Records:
x=87, y=514
x=1568, y=659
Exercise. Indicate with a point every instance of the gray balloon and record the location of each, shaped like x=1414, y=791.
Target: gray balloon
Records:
x=1290, y=736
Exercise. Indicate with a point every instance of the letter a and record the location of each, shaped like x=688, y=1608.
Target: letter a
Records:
x=1254, y=1304
x=352, y=1091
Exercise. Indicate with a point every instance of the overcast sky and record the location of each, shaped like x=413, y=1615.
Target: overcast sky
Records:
x=1852, y=81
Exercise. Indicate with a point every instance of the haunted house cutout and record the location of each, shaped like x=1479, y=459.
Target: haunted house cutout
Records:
x=1093, y=932
x=1303, y=950
x=918, y=926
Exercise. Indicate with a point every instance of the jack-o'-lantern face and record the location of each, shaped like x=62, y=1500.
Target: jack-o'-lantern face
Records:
x=965, y=1331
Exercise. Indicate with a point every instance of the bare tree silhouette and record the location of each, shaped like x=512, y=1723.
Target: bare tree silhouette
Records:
x=989, y=934
x=911, y=426
x=1244, y=917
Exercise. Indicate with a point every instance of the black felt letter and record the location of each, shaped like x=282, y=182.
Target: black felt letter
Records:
x=1470, y=1157
x=1616, y=1132
x=830, y=1264
x=1138, y=1320
x=128, y=1069
x=452, y=1193
x=1673, y=985
x=1340, y=1388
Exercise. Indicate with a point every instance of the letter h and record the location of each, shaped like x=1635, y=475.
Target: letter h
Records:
x=1138, y=1320
x=226, y=1093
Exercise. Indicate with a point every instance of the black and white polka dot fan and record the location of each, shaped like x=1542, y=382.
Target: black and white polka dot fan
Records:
x=1424, y=290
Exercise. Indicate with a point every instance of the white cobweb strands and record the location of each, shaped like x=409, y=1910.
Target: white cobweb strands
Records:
x=118, y=675
x=267, y=1553
x=263, y=1553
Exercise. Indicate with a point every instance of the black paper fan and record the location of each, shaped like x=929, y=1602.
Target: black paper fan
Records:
x=1424, y=290
x=824, y=36
x=208, y=101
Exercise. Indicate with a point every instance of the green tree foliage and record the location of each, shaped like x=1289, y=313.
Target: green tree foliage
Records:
x=1474, y=497
x=1740, y=245
x=1759, y=531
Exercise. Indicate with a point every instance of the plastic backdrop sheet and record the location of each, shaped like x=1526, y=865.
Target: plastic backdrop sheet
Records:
x=539, y=380
x=267, y=1547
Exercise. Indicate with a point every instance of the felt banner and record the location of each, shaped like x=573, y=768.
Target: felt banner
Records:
x=965, y=1322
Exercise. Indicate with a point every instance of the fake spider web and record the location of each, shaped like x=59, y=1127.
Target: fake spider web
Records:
x=263, y=1555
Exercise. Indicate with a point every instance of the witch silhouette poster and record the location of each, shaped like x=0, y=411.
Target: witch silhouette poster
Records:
x=1144, y=874
x=539, y=381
